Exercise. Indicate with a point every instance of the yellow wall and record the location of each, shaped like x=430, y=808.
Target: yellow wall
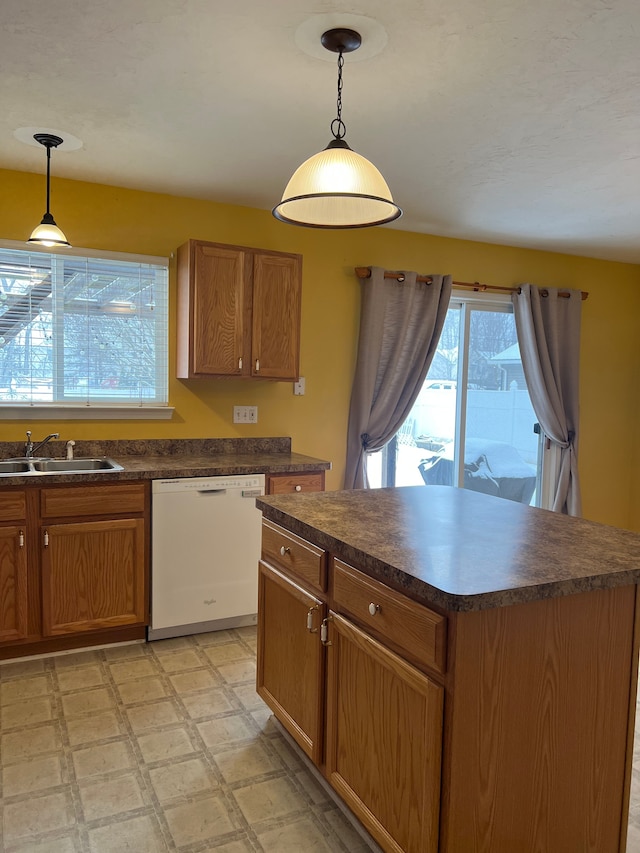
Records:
x=102, y=217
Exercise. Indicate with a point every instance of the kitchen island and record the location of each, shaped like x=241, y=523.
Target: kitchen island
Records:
x=461, y=669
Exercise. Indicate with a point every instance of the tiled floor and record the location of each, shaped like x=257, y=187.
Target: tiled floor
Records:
x=153, y=748
x=163, y=747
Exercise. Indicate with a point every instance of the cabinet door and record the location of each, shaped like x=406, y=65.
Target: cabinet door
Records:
x=277, y=291
x=93, y=576
x=291, y=657
x=384, y=740
x=214, y=288
x=13, y=584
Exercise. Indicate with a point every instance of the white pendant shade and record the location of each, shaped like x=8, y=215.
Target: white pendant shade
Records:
x=337, y=188
x=48, y=234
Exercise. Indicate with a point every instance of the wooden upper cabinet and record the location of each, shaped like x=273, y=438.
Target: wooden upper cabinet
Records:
x=238, y=312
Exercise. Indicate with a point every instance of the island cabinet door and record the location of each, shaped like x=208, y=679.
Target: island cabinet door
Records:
x=291, y=657
x=384, y=740
x=93, y=576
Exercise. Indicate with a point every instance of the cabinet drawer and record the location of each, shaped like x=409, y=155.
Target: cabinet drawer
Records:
x=306, y=561
x=284, y=484
x=78, y=501
x=410, y=627
x=13, y=506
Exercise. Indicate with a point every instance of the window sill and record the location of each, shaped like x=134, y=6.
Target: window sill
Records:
x=48, y=412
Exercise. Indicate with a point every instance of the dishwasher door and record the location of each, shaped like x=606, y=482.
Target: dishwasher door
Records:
x=205, y=549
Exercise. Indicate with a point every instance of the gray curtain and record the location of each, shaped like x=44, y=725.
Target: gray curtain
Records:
x=400, y=325
x=548, y=328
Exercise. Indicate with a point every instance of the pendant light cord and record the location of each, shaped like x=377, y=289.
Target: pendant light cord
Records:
x=340, y=130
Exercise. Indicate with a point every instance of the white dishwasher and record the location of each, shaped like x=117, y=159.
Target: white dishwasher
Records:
x=205, y=547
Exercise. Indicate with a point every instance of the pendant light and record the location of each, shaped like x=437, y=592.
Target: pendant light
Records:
x=337, y=188
x=48, y=233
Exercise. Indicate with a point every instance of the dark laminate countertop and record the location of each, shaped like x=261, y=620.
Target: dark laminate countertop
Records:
x=162, y=458
x=459, y=549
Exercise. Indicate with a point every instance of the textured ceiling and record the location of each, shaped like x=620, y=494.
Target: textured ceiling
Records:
x=508, y=121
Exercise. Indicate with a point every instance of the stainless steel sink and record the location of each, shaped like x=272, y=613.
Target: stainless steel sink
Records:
x=73, y=466
x=39, y=466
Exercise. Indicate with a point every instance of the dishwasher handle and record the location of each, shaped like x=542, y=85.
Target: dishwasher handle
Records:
x=211, y=491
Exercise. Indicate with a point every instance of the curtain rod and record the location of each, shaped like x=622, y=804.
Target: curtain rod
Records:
x=365, y=272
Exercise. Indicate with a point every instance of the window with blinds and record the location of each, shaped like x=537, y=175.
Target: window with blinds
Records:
x=82, y=330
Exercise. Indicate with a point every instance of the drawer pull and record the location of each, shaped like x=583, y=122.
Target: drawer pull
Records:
x=284, y=551
x=21, y=539
x=324, y=632
x=298, y=488
x=374, y=608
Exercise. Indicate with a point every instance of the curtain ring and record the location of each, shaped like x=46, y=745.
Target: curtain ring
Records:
x=544, y=293
x=400, y=278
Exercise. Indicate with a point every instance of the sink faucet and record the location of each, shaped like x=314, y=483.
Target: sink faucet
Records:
x=30, y=448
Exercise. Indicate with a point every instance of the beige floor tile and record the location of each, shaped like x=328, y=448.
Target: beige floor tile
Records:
x=197, y=821
x=152, y=716
x=34, y=775
x=180, y=661
x=30, y=742
x=213, y=638
x=275, y=798
x=312, y=787
x=286, y=753
x=243, y=846
x=169, y=743
x=87, y=702
x=20, y=689
x=246, y=762
x=196, y=679
x=227, y=652
x=296, y=837
x=161, y=647
x=72, y=659
x=132, y=670
x=236, y=673
x=633, y=840
x=135, y=835
x=59, y=844
x=94, y=727
x=37, y=815
x=246, y=693
x=26, y=713
x=145, y=690
x=107, y=798
x=106, y=758
x=131, y=650
x=223, y=731
x=265, y=721
x=80, y=678
x=183, y=779
x=200, y=705
x=349, y=836
x=21, y=668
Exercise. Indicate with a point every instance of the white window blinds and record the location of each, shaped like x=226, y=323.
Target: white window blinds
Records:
x=82, y=330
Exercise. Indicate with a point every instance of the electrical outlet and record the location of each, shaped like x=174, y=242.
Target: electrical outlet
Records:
x=299, y=386
x=245, y=414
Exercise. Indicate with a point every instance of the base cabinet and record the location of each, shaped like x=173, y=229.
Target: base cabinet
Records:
x=73, y=566
x=344, y=696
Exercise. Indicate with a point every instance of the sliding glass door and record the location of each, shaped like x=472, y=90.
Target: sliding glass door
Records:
x=472, y=425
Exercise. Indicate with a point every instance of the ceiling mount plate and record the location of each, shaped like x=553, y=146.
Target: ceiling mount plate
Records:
x=48, y=139
x=341, y=40
x=308, y=36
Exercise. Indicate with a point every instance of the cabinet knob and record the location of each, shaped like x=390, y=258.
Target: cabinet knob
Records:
x=298, y=488
x=284, y=551
x=374, y=608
